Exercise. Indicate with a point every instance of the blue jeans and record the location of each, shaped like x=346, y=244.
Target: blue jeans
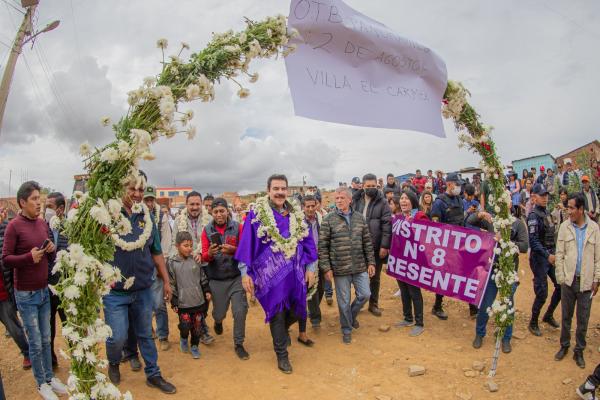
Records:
x=131, y=308
x=327, y=288
x=487, y=301
x=160, y=310
x=34, y=307
x=343, y=294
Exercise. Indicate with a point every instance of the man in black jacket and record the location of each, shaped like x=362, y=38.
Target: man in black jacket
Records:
x=220, y=239
x=54, y=215
x=372, y=205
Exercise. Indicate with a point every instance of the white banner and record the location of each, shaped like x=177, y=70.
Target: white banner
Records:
x=353, y=70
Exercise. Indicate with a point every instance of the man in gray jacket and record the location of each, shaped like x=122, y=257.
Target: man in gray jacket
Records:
x=346, y=255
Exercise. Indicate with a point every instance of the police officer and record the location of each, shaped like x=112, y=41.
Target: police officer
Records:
x=541, y=259
x=448, y=209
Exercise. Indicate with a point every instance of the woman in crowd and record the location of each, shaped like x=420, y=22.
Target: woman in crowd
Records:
x=412, y=298
x=515, y=192
x=426, y=203
x=525, y=177
x=526, y=199
x=560, y=214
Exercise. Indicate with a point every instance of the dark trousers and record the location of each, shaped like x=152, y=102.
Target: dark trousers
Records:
x=191, y=325
x=411, y=298
x=375, y=282
x=439, y=299
x=571, y=297
x=314, y=304
x=542, y=269
x=8, y=317
x=54, y=309
x=595, y=377
x=279, y=325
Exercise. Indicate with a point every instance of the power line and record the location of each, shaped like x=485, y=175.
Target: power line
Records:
x=13, y=7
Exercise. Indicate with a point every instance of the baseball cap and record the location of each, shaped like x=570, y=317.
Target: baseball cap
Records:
x=539, y=189
x=585, y=178
x=542, y=168
x=453, y=177
x=150, y=192
x=356, y=179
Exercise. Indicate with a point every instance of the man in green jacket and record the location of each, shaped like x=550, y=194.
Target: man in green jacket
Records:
x=346, y=255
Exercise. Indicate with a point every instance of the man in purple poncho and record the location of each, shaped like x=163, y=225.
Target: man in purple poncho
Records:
x=277, y=257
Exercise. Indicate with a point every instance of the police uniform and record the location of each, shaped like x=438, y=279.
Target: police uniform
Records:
x=542, y=243
x=448, y=210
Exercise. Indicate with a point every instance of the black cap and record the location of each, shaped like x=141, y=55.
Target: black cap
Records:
x=453, y=177
x=356, y=179
x=219, y=202
x=539, y=189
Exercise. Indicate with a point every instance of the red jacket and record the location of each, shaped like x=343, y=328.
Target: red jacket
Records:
x=419, y=183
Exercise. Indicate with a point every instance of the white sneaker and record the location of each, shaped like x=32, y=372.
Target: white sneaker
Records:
x=45, y=390
x=58, y=386
x=398, y=293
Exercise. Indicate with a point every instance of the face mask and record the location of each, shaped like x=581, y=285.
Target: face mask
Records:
x=456, y=191
x=49, y=214
x=371, y=192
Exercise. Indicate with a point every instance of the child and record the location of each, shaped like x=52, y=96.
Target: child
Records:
x=191, y=293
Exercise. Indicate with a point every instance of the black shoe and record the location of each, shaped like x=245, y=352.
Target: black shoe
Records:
x=440, y=313
x=477, y=342
x=114, y=374
x=506, y=346
x=534, y=329
x=135, y=364
x=284, y=365
x=159, y=383
x=561, y=353
x=376, y=311
x=549, y=319
x=355, y=324
x=578, y=357
x=347, y=338
x=241, y=352
x=218, y=328
x=585, y=392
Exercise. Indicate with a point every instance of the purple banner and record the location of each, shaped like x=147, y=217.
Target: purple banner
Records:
x=449, y=260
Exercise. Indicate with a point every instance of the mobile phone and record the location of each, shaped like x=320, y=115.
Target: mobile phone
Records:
x=215, y=238
x=45, y=244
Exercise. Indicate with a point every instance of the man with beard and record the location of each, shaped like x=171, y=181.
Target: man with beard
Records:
x=372, y=205
x=276, y=255
x=220, y=239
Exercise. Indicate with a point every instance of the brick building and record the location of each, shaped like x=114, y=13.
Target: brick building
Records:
x=592, y=148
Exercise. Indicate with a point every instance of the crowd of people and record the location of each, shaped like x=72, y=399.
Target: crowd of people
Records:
x=288, y=257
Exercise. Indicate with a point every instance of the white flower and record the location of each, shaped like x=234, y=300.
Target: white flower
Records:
x=80, y=278
x=162, y=43
x=293, y=32
x=243, y=93
x=127, y=396
x=189, y=114
x=184, y=45
x=72, y=214
x=141, y=137
x=128, y=282
x=105, y=121
x=122, y=147
x=149, y=81
x=136, y=208
x=123, y=227
x=62, y=353
x=191, y=132
x=90, y=357
x=232, y=48
x=100, y=214
x=147, y=155
x=54, y=223
x=114, y=207
x=192, y=91
x=76, y=252
x=109, y=155
x=71, y=292
x=242, y=38
x=269, y=32
x=254, y=77
x=166, y=106
x=72, y=309
x=85, y=149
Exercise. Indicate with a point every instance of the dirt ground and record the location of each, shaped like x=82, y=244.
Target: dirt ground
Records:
x=374, y=366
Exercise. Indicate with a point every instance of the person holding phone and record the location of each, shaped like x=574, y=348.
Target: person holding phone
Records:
x=28, y=251
x=220, y=239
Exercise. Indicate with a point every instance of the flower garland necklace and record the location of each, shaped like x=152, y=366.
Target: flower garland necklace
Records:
x=138, y=244
x=268, y=229
x=182, y=221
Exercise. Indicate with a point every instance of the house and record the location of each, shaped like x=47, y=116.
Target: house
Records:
x=545, y=160
x=592, y=148
x=173, y=196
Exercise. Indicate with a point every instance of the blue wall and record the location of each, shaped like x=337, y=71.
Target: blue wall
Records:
x=545, y=160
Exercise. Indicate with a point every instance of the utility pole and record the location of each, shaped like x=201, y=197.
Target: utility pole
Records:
x=24, y=35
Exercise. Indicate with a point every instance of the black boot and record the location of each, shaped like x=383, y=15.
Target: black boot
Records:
x=284, y=365
x=158, y=382
x=561, y=353
x=578, y=357
x=549, y=319
x=534, y=328
x=114, y=374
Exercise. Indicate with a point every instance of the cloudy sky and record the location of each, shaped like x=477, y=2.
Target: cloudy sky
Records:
x=531, y=66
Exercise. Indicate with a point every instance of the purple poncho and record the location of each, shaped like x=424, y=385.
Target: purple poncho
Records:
x=279, y=283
